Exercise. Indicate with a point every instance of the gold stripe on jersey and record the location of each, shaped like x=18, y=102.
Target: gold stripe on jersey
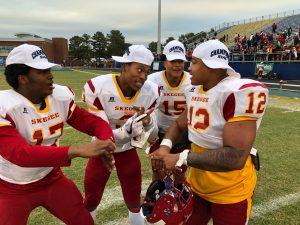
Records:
x=72, y=110
x=93, y=109
x=201, y=91
x=241, y=118
x=5, y=125
x=123, y=98
x=169, y=86
x=222, y=187
x=45, y=110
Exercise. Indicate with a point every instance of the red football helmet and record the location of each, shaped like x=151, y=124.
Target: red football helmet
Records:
x=164, y=201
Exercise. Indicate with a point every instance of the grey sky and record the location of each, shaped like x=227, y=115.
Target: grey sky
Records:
x=136, y=19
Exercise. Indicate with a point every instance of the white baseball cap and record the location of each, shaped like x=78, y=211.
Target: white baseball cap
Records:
x=215, y=55
x=30, y=55
x=174, y=50
x=136, y=53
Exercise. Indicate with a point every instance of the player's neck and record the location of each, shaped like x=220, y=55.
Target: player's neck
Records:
x=214, y=82
x=125, y=88
x=173, y=81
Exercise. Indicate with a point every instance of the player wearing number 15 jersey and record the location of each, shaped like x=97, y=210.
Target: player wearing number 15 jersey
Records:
x=114, y=98
x=222, y=116
x=172, y=83
x=32, y=118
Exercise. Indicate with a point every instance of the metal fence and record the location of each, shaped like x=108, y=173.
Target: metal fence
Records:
x=257, y=18
x=283, y=56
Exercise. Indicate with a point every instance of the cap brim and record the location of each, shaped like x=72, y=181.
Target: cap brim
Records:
x=175, y=57
x=217, y=65
x=121, y=59
x=43, y=65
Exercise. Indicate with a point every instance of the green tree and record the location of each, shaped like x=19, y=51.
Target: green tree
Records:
x=168, y=40
x=184, y=38
x=99, y=44
x=86, y=48
x=115, y=43
x=153, y=46
x=75, y=47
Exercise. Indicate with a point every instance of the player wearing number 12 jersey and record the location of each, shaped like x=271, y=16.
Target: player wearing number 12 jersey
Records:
x=32, y=118
x=114, y=98
x=172, y=83
x=222, y=116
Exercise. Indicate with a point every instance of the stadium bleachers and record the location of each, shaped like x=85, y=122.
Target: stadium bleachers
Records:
x=285, y=23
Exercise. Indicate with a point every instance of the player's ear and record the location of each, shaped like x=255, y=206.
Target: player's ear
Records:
x=22, y=79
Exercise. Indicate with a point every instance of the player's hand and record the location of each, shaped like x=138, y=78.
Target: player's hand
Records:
x=141, y=110
x=157, y=158
x=133, y=126
x=92, y=149
x=109, y=161
x=170, y=161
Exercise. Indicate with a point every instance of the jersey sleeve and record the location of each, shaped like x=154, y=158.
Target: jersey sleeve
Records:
x=90, y=124
x=14, y=148
x=4, y=118
x=91, y=97
x=247, y=103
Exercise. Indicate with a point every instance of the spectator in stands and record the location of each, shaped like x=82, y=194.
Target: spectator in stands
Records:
x=289, y=31
x=297, y=39
x=294, y=52
x=274, y=27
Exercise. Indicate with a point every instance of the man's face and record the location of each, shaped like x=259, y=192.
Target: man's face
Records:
x=199, y=71
x=174, y=68
x=39, y=83
x=136, y=75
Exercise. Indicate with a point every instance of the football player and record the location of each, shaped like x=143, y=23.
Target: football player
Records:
x=172, y=83
x=222, y=116
x=115, y=97
x=32, y=119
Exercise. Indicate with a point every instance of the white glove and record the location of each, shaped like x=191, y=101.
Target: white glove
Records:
x=133, y=127
x=182, y=158
x=140, y=141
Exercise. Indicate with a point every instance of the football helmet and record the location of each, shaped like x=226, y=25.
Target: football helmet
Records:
x=168, y=203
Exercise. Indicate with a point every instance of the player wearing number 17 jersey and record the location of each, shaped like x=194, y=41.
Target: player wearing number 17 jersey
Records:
x=32, y=119
x=114, y=97
x=222, y=116
x=172, y=83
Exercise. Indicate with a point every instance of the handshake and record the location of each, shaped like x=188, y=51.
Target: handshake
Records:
x=138, y=128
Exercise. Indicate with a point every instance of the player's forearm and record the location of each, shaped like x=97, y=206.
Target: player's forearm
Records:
x=218, y=160
x=90, y=124
x=15, y=149
x=175, y=132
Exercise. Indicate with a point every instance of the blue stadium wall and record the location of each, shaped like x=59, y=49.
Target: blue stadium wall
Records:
x=285, y=71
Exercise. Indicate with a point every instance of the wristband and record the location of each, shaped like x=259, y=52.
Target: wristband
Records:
x=167, y=142
x=182, y=158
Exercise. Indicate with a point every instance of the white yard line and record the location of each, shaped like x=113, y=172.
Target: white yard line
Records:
x=274, y=204
x=80, y=71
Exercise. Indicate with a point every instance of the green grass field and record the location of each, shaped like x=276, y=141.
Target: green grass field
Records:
x=277, y=197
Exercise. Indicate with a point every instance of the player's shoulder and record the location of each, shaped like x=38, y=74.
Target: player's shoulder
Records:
x=10, y=99
x=237, y=84
x=61, y=92
x=187, y=78
x=156, y=76
x=97, y=83
x=150, y=87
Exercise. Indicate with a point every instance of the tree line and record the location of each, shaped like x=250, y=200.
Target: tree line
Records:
x=99, y=46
